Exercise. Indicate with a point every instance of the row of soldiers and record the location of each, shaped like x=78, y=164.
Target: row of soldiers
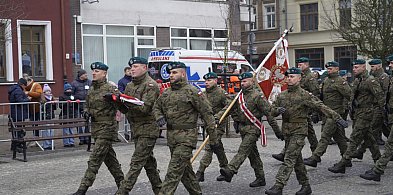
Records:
x=179, y=107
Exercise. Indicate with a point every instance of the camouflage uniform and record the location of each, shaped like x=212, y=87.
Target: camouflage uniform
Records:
x=180, y=105
x=310, y=84
x=145, y=131
x=297, y=103
x=367, y=94
x=259, y=107
x=336, y=93
x=104, y=132
x=218, y=99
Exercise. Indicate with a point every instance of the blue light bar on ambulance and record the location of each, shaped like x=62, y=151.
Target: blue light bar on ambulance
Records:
x=162, y=53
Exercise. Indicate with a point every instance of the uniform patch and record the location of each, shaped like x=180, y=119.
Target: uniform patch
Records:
x=151, y=84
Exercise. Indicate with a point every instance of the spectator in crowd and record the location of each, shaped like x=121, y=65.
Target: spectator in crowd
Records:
x=48, y=113
x=69, y=110
x=80, y=86
x=18, y=112
x=34, y=92
x=125, y=80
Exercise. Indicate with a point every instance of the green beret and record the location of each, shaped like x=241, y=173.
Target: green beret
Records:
x=358, y=61
x=342, y=72
x=375, y=62
x=332, y=64
x=210, y=75
x=293, y=70
x=389, y=58
x=137, y=60
x=245, y=75
x=302, y=59
x=174, y=65
x=99, y=65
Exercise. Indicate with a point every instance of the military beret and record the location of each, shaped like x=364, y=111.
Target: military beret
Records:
x=342, y=72
x=293, y=70
x=137, y=60
x=174, y=65
x=358, y=61
x=245, y=75
x=375, y=62
x=99, y=65
x=210, y=75
x=302, y=59
x=332, y=64
x=389, y=58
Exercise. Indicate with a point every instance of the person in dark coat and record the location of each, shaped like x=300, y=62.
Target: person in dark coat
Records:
x=16, y=94
x=68, y=110
x=122, y=83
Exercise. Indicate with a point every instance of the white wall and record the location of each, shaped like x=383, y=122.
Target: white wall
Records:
x=163, y=13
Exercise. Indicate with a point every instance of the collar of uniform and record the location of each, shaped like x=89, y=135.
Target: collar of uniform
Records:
x=306, y=71
x=178, y=85
x=333, y=75
x=211, y=89
x=138, y=80
x=377, y=73
x=293, y=87
x=98, y=83
x=363, y=75
x=248, y=89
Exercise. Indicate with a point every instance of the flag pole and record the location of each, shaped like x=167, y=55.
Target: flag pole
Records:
x=237, y=96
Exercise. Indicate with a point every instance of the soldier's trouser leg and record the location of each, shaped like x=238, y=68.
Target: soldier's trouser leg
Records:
x=180, y=169
x=312, y=138
x=245, y=148
x=208, y=156
x=376, y=129
x=381, y=163
x=330, y=129
x=361, y=131
x=256, y=162
x=293, y=160
x=102, y=152
x=143, y=158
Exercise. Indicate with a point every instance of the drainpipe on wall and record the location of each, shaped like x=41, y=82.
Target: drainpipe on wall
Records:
x=63, y=41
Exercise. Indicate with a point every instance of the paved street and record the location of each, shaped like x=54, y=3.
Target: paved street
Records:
x=60, y=172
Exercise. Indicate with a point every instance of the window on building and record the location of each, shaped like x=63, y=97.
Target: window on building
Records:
x=145, y=40
x=220, y=39
x=344, y=56
x=179, y=37
x=270, y=16
x=309, y=17
x=33, y=51
x=316, y=56
x=199, y=39
x=345, y=13
x=2, y=51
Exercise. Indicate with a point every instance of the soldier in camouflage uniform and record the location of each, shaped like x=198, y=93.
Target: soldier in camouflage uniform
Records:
x=367, y=94
x=294, y=105
x=103, y=128
x=380, y=166
x=377, y=123
x=144, y=128
x=257, y=105
x=335, y=94
x=218, y=99
x=310, y=84
x=179, y=107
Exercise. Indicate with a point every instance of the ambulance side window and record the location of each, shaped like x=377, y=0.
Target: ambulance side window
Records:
x=245, y=68
x=219, y=68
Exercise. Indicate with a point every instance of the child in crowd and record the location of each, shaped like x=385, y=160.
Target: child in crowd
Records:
x=48, y=114
x=68, y=110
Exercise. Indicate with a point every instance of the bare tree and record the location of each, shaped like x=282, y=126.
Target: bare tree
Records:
x=368, y=24
x=10, y=10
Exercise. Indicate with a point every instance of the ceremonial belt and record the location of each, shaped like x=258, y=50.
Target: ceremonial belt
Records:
x=252, y=119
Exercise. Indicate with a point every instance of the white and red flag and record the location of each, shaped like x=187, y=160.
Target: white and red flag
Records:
x=271, y=72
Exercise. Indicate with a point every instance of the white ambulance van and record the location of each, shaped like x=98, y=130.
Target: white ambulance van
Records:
x=198, y=63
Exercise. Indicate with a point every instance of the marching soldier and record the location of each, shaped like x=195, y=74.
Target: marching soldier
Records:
x=218, y=99
x=144, y=128
x=367, y=94
x=294, y=104
x=310, y=84
x=179, y=107
x=251, y=108
x=380, y=166
x=102, y=110
x=335, y=94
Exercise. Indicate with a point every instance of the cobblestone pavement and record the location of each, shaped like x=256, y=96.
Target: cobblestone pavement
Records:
x=60, y=171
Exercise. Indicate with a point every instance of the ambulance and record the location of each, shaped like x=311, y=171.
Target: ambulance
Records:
x=198, y=63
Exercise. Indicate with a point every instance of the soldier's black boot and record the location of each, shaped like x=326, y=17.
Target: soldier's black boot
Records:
x=275, y=190
x=121, y=192
x=228, y=174
x=258, y=182
x=348, y=164
x=310, y=162
x=200, y=176
x=337, y=168
x=371, y=175
x=81, y=191
x=391, y=158
x=220, y=178
x=279, y=157
x=358, y=155
x=305, y=190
